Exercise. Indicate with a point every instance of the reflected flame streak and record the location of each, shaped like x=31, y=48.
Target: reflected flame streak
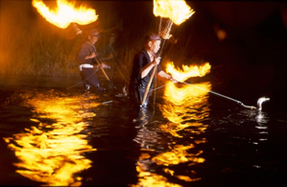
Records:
x=262, y=137
x=65, y=13
x=53, y=153
x=184, y=107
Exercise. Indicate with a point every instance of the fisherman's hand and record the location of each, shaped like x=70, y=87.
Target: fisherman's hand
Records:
x=92, y=55
x=157, y=60
x=173, y=80
x=96, y=67
x=105, y=66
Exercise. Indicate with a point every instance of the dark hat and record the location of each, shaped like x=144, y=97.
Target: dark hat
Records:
x=95, y=32
x=152, y=37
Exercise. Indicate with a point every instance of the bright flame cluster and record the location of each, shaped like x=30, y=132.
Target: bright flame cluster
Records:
x=176, y=10
x=188, y=71
x=186, y=99
x=66, y=13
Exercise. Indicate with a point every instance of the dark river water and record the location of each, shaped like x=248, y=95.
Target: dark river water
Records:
x=53, y=133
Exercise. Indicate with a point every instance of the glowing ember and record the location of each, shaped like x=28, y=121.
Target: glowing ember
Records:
x=188, y=71
x=65, y=13
x=177, y=11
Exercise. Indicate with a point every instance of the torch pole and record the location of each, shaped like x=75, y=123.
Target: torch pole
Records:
x=164, y=35
x=118, y=68
x=148, y=85
x=100, y=65
x=120, y=72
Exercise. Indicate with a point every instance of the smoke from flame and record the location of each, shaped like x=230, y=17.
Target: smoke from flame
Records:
x=66, y=13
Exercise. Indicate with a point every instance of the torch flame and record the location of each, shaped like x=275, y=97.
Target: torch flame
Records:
x=187, y=102
x=188, y=71
x=176, y=10
x=65, y=13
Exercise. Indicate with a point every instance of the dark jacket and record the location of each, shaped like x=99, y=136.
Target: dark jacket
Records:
x=86, y=49
x=140, y=60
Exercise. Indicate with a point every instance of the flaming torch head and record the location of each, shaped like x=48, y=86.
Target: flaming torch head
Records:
x=65, y=13
x=177, y=11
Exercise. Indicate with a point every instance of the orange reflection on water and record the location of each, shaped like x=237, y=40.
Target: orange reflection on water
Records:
x=177, y=155
x=185, y=106
x=182, y=103
x=185, y=102
x=147, y=178
x=52, y=153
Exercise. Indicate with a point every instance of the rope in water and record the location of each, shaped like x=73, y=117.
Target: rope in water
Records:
x=221, y=95
x=157, y=88
x=218, y=94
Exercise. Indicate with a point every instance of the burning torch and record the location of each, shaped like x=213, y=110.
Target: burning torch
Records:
x=67, y=14
x=176, y=12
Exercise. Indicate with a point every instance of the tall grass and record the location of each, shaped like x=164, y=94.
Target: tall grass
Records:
x=30, y=46
x=33, y=46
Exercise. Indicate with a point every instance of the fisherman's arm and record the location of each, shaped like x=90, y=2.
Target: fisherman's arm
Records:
x=84, y=54
x=147, y=68
x=91, y=56
x=164, y=75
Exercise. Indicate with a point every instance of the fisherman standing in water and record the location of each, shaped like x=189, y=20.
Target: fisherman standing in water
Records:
x=107, y=54
x=87, y=57
x=143, y=63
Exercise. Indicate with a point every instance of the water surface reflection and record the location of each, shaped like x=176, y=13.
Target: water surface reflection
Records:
x=52, y=151
x=190, y=138
x=185, y=108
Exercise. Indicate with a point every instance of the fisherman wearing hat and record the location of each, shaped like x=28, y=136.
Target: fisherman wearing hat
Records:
x=87, y=57
x=107, y=53
x=143, y=64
